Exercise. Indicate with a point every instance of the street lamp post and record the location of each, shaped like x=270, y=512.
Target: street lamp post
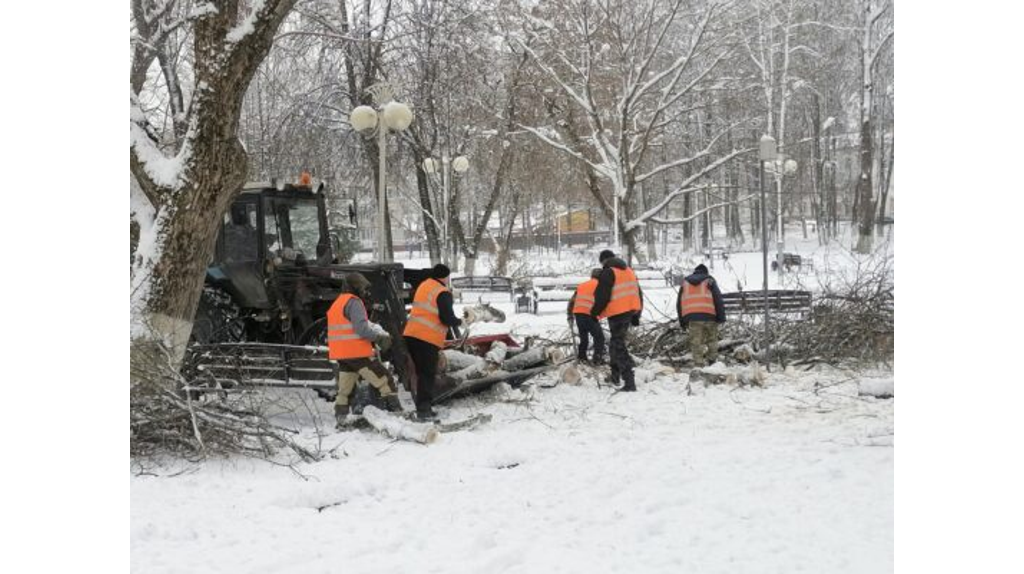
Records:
x=781, y=167
x=388, y=115
x=460, y=164
x=766, y=153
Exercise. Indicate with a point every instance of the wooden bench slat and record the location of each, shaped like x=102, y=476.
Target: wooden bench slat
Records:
x=783, y=300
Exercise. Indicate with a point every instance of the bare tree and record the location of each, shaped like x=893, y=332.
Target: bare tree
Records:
x=626, y=71
x=875, y=36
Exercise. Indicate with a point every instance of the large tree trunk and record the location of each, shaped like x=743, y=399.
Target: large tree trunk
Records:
x=189, y=193
x=426, y=211
x=865, y=212
x=185, y=240
x=865, y=205
x=501, y=265
x=652, y=248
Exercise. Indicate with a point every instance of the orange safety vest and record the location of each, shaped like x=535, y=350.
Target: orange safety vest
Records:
x=424, y=320
x=696, y=299
x=625, y=294
x=342, y=340
x=584, y=297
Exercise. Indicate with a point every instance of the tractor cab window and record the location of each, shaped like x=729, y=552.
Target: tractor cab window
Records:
x=240, y=235
x=293, y=228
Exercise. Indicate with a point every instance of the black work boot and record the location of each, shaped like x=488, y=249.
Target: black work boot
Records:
x=425, y=414
x=392, y=404
x=613, y=378
x=598, y=360
x=629, y=383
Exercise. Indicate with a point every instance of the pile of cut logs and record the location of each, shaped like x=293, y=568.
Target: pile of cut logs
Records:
x=460, y=373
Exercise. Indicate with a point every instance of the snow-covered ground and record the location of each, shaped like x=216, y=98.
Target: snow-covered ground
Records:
x=797, y=477
x=794, y=477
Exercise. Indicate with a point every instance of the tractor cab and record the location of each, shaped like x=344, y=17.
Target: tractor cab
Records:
x=270, y=231
x=274, y=273
x=283, y=224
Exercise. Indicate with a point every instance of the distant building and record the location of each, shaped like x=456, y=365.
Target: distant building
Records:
x=575, y=221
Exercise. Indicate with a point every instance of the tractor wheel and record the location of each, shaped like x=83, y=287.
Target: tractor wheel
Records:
x=315, y=334
x=218, y=319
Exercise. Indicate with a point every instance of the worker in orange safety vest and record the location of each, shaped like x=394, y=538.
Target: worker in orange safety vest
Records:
x=619, y=298
x=580, y=306
x=700, y=310
x=431, y=317
x=350, y=339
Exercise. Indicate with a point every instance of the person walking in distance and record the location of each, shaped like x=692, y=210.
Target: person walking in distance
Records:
x=425, y=333
x=580, y=306
x=701, y=310
x=619, y=298
x=350, y=339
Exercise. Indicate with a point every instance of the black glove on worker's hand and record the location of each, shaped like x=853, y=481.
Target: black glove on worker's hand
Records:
x=635, y=320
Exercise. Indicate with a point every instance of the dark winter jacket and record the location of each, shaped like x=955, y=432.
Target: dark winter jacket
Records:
x=695, y=279
x=446, y=313
x=603, y=293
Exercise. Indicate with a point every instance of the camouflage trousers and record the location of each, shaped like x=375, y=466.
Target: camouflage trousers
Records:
x=351, y=370
x=703, y=336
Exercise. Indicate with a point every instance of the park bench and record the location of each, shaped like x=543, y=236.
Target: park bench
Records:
x=482, y=284
x=556, y=288
x=526, y=300
x=779, y=301
x=790, y=260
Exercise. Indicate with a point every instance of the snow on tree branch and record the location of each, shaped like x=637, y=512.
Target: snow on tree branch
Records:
x=156, y=172
x=258, y=10
x=699, y=212
x=686, y=160
x=685, y=187
x=579, y=99
x=539, y=133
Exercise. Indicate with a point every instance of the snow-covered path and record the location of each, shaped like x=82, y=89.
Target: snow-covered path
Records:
x=570, y=479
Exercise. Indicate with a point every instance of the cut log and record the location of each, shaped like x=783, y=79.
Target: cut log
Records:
x=473, y=385
x=721, y=375
x=554, y=355
x=880, y=388
x=570, y=374
x=398, y=428
x=457, y=360
x=524, y=360
x=473, y=371
x=710, y=376
x=548, y=355
x=497, y=353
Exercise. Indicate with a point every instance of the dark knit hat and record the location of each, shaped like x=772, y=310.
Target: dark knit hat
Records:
x=606, y=254
x=440, y=271
x=356, y=282
x=701, y=269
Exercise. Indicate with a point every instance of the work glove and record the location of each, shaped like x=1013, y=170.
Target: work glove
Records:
x=383, y=342
x=635, y=320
